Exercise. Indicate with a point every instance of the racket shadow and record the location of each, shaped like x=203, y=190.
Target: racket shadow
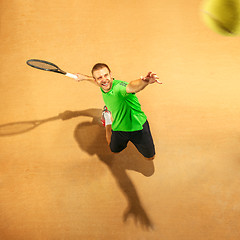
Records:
x=14, y=128
x=90, y=137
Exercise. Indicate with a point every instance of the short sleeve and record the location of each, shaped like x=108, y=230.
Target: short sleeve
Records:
x=122, y=89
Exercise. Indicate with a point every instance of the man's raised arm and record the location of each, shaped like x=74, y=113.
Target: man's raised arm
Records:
x=139, y=84
x=82, y=77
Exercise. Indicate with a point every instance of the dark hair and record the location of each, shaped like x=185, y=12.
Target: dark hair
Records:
x=100, y=66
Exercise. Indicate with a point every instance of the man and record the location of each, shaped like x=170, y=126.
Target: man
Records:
x=123, y=117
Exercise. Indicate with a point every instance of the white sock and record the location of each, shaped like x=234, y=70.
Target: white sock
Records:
x=107, y=116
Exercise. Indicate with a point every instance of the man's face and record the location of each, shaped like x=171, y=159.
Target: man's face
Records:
x=103, y=78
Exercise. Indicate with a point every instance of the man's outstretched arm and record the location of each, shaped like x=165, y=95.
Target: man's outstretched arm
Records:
x=139, y=84
x=82, y=77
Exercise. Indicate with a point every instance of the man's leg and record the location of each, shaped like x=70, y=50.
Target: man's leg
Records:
x=117, y=141
x=143, y=142
x=108, y=133
x=151, y=158
x=107, y=123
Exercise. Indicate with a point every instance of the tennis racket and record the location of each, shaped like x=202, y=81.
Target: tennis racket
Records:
x=48, y=66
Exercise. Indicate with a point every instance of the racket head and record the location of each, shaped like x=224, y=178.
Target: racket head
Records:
x=44, y=65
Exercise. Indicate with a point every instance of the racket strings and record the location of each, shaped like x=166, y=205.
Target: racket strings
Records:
x=42, y=65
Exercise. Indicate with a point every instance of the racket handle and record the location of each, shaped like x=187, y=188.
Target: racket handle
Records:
x=71, y=75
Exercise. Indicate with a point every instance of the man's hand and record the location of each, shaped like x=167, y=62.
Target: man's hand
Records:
x=139, y=84
x=82, y=77
x=151, y=78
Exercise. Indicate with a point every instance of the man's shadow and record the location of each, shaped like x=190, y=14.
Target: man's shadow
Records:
x=90, y=136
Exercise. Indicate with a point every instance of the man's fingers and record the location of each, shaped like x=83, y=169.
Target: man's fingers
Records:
x=149, y=74
x=154, y=75
x=151, y=77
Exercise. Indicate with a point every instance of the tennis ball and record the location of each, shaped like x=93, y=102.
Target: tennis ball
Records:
x=222, y=16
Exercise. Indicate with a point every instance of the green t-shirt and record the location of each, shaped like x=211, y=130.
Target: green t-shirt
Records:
x=124, y=107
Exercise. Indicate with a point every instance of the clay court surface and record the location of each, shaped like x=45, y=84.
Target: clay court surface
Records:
x=58, y=180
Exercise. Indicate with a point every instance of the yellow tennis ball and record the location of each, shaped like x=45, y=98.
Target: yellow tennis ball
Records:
x=222, y=16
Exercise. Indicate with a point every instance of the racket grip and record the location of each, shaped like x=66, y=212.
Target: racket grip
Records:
x=71, y=75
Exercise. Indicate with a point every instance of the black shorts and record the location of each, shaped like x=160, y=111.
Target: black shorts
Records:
x=142, y=140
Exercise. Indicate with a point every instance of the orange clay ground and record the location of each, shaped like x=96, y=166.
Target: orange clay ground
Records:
x=60, y=181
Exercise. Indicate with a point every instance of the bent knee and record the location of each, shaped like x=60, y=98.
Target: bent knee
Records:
x=115, y=151
x=150, y=158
